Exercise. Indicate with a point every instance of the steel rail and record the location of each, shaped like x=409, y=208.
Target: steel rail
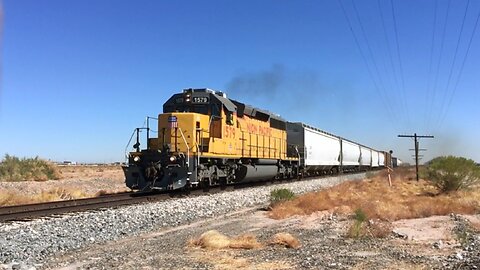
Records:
x=29, y=211
x=48, y=209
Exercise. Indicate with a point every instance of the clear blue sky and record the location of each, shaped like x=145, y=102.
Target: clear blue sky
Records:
x=78, y=76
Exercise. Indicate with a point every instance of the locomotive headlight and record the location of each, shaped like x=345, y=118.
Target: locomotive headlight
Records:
x=172, y=158
x=136, y=159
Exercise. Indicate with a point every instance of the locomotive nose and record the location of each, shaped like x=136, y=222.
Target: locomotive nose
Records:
x=175, y=177
x=165, y=178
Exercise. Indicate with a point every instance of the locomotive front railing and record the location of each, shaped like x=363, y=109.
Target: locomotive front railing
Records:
x=188, y=148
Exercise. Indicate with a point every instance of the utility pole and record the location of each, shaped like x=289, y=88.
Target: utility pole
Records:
x=416, y=137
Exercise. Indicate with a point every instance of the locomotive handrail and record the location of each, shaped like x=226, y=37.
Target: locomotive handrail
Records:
x=188, y=148
x=129, y=141
x=137, y=130
x=298, y=154
x=148, y=126
x=198, y=152
x=211, y=119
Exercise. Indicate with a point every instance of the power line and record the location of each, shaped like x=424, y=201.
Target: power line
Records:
x=400, y=62
x=460, y=72
x=365, y=60
x=454, y=60
x=432, y=47
x=382, y=85
x=387, y=41
x=432, y=101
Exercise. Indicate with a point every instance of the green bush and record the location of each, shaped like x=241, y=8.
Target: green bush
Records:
x=14, y=169
x=358, y=229
x=452, y=173
x=360, y=215
x=280, y=195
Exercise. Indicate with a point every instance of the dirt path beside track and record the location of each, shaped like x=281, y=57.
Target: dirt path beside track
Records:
x=428, y=243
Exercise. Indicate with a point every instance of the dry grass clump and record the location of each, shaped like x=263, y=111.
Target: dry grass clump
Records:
x=211, y=239
x=245, y=241
x=215, y=240
x=223, y=260
x=363, y=227
x=404, y=199
x=57, y=194
x=286, y=240
x=102, y=192
x=14, y=169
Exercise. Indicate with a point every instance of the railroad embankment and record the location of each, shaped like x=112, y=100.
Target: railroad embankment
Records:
x=48, y=238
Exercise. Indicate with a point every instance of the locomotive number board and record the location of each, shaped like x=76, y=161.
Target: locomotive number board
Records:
x=200, y=100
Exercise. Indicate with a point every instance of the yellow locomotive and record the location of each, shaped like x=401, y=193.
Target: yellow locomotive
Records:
x=205, y=139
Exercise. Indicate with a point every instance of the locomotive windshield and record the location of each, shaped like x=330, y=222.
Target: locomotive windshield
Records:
x=203, y=109
x=207, y=109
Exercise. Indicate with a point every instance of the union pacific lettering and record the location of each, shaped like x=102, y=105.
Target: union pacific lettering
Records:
x=265, y=131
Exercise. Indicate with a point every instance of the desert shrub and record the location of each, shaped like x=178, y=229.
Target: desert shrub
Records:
x=360, y=215
x=357, y=229
x=26, y=169
x=452, y=173
x=281, y=195
x=363, y=227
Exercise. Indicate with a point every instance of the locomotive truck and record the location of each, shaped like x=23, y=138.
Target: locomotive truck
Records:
x=206, y=139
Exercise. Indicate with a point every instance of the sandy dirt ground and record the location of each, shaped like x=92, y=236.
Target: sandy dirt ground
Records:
x=427, y=243
x=78, y=181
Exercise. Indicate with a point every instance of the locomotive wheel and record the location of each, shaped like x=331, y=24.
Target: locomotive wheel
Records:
x=223, y=183
x=186, y=189
x=205, y=187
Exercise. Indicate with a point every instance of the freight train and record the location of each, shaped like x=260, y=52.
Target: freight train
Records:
x=206, y=139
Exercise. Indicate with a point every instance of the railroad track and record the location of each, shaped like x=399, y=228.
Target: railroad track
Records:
x=46, y=209
x=29, y=211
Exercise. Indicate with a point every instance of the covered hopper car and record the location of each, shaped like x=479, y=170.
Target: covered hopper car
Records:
x=206, y=139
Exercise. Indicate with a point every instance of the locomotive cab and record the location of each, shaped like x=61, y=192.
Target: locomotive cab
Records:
x=191, y=123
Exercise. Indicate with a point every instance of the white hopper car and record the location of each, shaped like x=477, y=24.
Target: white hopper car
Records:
x=321, y=152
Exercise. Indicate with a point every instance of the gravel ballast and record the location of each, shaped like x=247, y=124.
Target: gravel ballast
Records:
x=31, y=243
